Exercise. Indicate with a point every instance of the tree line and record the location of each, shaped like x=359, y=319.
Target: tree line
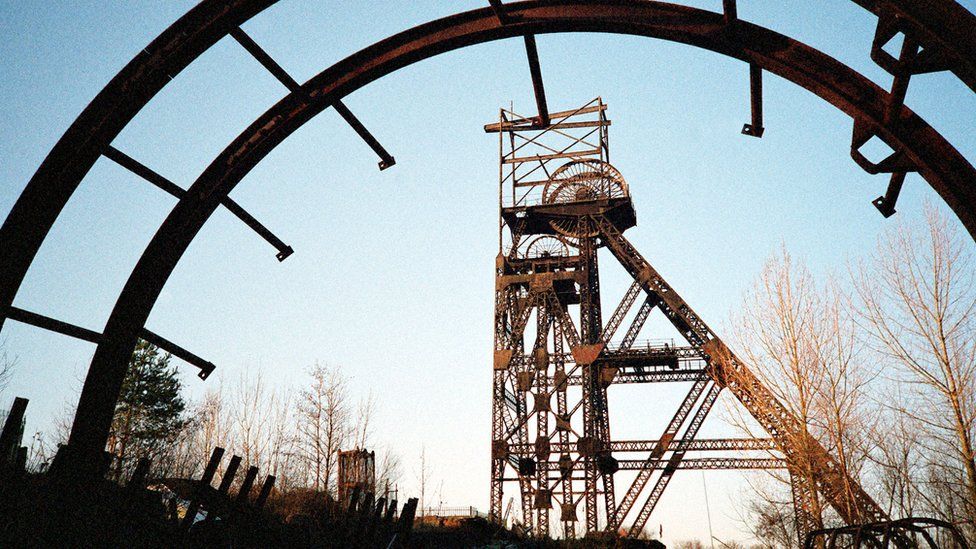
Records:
x=879, y=365
x=293, y=435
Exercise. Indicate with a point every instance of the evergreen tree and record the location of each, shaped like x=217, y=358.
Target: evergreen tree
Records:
x=150, y=413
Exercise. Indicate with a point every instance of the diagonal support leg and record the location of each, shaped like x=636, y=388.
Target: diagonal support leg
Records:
x=842, y=492
x=662, y=482
x=261, y=56
x=538, y=87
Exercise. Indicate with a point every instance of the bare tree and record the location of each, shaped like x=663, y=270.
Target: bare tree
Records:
x=388, y=471
x=803, y=341
x=252, y=423
x=6, y=368
x=898, y=459
x=841, y=400
x=423, y=478
x=918, y=301
x=771, y=521
x=364, y=417
x=211, y=425
x=774, y=331
x=323, y=424
x=282, y=442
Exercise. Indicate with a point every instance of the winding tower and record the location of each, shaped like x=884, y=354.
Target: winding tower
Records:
x=560, y=201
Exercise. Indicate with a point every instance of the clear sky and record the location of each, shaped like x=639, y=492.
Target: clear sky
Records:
x=392, y=272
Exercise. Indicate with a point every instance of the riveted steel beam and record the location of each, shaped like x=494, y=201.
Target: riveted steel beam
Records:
x=64, y=328
x=538, y=87
x=175, y=190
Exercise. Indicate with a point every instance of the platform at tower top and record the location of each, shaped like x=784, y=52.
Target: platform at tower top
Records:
x=553, y=176
x=548, y=218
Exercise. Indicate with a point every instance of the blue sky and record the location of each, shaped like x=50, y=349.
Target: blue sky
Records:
x=392, y=272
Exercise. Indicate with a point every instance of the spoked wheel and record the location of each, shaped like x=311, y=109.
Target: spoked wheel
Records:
x=546, y=246
x=572, y=229
x=583, y=180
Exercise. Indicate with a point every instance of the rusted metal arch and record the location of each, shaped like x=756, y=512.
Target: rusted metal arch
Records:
x=941, y=22
x=938, y=162
x=946, y=26
x=47, y=192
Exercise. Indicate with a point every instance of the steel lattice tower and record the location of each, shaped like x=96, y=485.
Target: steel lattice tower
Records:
x=560, y=201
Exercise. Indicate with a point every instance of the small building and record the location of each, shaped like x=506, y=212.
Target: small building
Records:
x=357, y=469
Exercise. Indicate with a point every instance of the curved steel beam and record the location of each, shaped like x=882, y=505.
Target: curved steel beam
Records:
x=945, y=26
x=943, y=167
x=942, y=22
x=41, y=202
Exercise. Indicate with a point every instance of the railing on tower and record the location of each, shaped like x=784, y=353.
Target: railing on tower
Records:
x=529, y=152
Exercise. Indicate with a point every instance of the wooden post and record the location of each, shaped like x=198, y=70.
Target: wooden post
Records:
x=371, y=537
x=362, y=517
x=138, y=478
x=225, y=481
x=11, y=428
x=265, y=491
x=245, y=491
x=405, y=524
x=203, y=484
x=20, y=463
x=229, y=472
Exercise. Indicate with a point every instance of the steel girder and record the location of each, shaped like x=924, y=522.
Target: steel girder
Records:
x=92, y=133
x=48, y=191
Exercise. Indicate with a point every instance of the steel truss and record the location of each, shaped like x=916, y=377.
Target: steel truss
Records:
x=941, y=29
x=547, y=270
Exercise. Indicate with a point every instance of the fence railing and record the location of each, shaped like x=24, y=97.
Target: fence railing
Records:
x=471, y=512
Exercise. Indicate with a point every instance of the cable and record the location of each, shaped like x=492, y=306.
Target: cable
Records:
x=708, y=512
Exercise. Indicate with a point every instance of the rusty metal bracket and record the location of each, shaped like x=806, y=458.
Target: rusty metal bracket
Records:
x=901, y=69
x=755, y=128
x=386, y=160
x=206, y=367
x=886, y=204
x=53, y=325
x=500, y=12
x=897, y=161
x=176, y=191
x=932, y=58
x=537, y=85
x=58, y=326
x=272, y=66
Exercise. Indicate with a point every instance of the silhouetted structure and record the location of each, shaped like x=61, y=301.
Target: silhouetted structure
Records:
x=357, y=471
x=560, y=201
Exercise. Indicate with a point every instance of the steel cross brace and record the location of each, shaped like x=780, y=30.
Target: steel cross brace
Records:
x=261, y=56
x=622, y=309
x=176, y=191
x=670, y=432
x=34, y=319
x=693, y=445
x=662, y=482
x=843, y=493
